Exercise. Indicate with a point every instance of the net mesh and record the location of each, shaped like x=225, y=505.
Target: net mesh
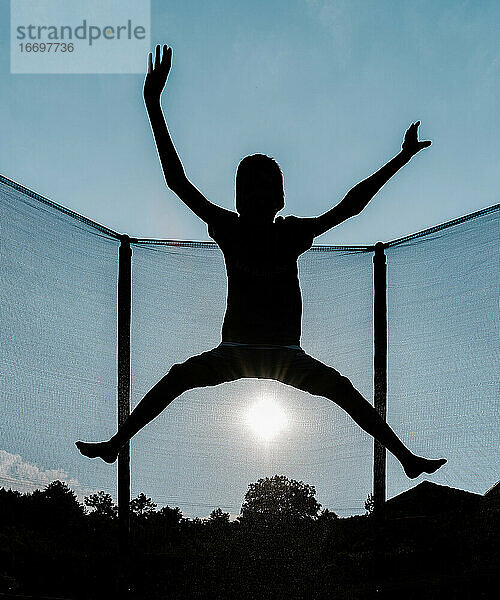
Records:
x=201, y=451
x=58, y=362
x=58, y=343
x=442, y=294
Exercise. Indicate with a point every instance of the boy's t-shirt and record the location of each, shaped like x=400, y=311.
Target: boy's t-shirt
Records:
x=264, y=302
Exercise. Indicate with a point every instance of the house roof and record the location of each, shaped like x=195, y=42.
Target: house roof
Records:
x=429, y=498
x=494, y=491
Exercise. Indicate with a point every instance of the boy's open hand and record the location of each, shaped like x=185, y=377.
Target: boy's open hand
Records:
x=157, y=73
x=411, y=143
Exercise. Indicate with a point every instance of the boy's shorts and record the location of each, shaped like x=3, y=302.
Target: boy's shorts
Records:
x=231, y=361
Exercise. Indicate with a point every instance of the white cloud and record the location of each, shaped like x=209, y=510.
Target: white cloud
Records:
x=15, y=474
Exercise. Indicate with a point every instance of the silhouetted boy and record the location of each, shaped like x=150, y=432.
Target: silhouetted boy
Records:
x=262, y=324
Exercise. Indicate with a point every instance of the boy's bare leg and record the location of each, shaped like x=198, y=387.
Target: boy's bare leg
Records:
x=153, y=403
x=318, y=379
x=369, y=419
x=207, y=369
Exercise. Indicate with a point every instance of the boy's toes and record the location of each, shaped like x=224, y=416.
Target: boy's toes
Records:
x=87, y=449
x=98, y=450
x=423, y=465
x=435, y=465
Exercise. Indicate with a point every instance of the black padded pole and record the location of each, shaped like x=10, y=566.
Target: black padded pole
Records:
x=380, y=369
x=124, y=308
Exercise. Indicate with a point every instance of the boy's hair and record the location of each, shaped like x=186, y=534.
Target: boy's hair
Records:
x=259, y=163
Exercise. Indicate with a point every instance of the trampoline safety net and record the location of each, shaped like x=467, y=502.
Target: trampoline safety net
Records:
x=58, y=355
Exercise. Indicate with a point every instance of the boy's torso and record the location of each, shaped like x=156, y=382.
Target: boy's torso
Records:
x=264, y=303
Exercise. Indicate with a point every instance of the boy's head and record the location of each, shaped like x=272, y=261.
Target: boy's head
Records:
x=259, y=187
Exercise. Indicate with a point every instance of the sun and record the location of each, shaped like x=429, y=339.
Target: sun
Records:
x=266, y=418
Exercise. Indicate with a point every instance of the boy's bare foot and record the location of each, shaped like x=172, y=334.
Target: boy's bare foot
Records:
x=418, y=465
x=103, y=450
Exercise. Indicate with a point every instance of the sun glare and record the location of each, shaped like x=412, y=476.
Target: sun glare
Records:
x=266, y=419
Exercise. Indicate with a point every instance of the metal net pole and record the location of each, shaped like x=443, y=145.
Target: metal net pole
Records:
x=124, y=310
x=380, y=370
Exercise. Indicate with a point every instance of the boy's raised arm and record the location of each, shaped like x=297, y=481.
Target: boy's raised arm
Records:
x=173, y=170
x=359, y=196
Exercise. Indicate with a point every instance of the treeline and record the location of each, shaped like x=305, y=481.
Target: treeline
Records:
x=282, y=546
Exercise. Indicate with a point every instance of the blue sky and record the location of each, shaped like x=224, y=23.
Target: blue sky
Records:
x=326, y=87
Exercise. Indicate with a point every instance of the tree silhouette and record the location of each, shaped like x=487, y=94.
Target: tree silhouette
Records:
x=12, y=504
x=170, y=516
x=54, y=508
x=279, y=499
x=327, y=515
x=142, y=506
x=450, y=554
x=218, y=516
x=103, y=505
x=58, y=500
